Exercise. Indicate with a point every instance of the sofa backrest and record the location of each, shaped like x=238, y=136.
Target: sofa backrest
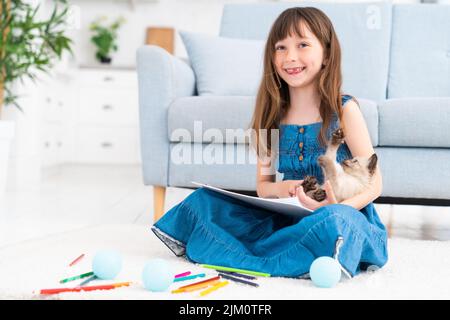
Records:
x=420, y=51
x=363, y=30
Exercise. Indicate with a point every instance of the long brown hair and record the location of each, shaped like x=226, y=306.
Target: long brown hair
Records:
x=272, y=100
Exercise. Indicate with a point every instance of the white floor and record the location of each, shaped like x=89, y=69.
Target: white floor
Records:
x=80, y=196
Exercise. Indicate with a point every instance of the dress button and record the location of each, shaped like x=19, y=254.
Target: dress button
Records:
x=301, y=130
x=300, y=145
x=300, y=157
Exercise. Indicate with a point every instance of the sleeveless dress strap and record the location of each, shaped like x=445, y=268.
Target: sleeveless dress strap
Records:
x=345, y=98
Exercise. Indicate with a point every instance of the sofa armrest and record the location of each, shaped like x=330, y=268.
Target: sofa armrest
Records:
x=162, y=78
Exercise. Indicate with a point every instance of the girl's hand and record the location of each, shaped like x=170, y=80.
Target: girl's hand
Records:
x=288, y=188
x=313, y=204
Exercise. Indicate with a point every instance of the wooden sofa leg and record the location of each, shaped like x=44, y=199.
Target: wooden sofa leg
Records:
x=159, y=196
x=390, y=221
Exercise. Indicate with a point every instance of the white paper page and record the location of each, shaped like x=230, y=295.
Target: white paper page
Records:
x=290, y=206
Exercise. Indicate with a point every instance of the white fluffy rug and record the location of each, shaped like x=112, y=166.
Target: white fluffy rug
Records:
x=416, y=270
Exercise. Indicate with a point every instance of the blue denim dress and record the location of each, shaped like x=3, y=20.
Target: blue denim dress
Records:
x=215, y=229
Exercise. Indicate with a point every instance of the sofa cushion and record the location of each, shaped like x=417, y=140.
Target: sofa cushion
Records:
x=211, y=113
x=415, y=122
x=225, y=66
x=363, y=29
x=369, y=111
x=216, y=114
x=420, y=51
x=414, y=172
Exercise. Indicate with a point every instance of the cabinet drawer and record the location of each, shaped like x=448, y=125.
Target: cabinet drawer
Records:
x=107, y=145
x=108, y=78
x=108, y=107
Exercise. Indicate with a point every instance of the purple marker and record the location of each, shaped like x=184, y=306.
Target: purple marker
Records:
x=239, y=275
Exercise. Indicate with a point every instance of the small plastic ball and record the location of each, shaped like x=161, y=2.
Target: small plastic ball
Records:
x=325, y=272
x=157, y=275
x=107, y=264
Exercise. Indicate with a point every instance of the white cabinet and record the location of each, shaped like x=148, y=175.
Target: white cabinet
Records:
x=90, y=115
x=57, y=106
x=107, y=116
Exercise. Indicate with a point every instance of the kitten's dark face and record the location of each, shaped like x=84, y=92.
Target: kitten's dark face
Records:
x=360, y=166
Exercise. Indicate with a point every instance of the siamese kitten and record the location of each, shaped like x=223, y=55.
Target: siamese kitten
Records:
x=348, y=179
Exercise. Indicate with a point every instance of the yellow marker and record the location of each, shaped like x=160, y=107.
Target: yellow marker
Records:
x=215, y=287
x=178, y=291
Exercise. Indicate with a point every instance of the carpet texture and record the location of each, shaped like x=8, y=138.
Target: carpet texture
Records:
x=416, y=270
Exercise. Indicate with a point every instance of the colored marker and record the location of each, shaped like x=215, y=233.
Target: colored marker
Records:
x=189, y=277
x=196, y=287
x=81, y=276
x=213, y=288
x=88, y=280
x=196, y=283
x=239, y=275
x=76, y=260
x=226, y=276
x=78, y=289
x=220, y=268
x=183, y=274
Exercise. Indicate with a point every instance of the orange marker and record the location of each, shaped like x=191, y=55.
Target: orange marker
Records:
x=196, y=287
x=196, y=283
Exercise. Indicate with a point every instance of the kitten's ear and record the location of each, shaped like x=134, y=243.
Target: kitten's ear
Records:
x=372, y=163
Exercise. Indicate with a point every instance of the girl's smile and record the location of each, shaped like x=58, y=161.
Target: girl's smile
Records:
x=295, y=71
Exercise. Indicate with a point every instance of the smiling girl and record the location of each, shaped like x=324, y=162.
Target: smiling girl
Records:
x=300, y=95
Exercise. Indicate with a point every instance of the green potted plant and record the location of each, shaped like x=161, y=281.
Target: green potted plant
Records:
x=29, y=44
x=105, y=37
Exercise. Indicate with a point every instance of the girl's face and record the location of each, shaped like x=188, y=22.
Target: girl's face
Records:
x=299, y=60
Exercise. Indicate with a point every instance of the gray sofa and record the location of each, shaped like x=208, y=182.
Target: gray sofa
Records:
x=396, y=62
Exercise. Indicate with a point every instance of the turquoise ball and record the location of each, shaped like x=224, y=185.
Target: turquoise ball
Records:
x=107, y=264
x=325, y=272
x=157, y=275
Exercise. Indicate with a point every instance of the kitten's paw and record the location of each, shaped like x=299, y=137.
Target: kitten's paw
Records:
x=309, y=183
x=320, y=195
x=338, y=137
x=321, y=160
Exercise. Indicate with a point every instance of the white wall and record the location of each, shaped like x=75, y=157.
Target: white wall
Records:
x=190, y=15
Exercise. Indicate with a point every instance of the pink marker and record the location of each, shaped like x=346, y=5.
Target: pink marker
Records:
x=76, y=260
x=183, y=274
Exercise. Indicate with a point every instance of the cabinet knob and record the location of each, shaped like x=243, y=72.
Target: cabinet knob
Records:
x=59, y=144
x=107, y=107
x=106, y=145
x=47, y=144
x=108, y=78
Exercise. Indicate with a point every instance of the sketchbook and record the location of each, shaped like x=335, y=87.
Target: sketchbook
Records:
x=290, y=206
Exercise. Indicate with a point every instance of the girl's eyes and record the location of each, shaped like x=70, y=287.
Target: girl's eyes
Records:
x=282, y=47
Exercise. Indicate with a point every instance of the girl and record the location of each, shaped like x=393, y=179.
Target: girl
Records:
x=300, y=95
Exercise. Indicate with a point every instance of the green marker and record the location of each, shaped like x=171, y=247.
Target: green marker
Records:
x=254, y=273
x=81, y=276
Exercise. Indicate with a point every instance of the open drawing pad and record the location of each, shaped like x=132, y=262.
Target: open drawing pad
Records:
x=289, y=206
